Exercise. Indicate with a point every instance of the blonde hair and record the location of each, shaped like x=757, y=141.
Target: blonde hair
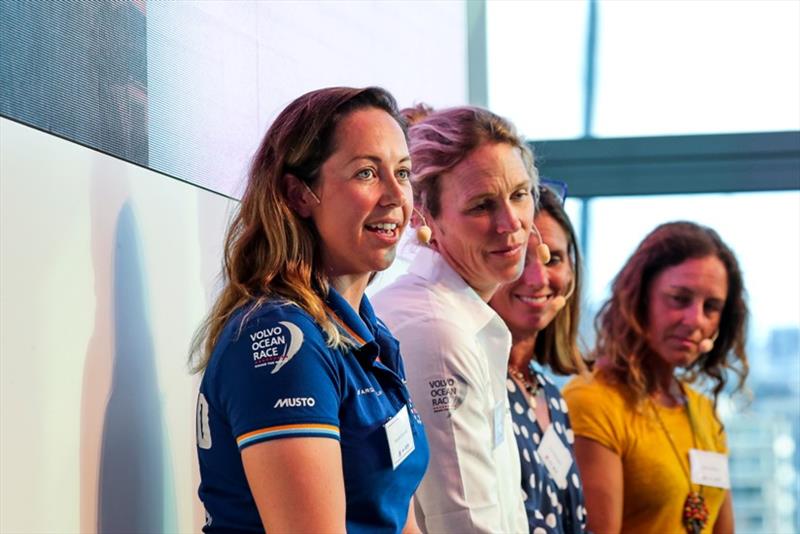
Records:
x=557, y=344
x=270, y=251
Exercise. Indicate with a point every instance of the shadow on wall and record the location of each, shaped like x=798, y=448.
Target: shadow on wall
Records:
x=132, y=478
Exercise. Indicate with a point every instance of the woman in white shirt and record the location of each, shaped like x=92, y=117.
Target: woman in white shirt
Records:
x=472, y=176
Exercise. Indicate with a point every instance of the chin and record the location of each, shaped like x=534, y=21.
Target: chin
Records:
x=539, y=324
x=508, y=274
x=383, y=262
x=683, y=360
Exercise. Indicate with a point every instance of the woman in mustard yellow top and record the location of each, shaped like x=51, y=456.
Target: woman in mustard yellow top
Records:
x=651, y=449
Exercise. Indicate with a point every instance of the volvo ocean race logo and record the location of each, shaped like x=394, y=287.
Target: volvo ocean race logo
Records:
x=276, y=345
x=447, y=393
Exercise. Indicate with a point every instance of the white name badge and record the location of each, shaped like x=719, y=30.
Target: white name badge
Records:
x=555, y=456
x=499, y=418
x=400, y=437
x=709, y=468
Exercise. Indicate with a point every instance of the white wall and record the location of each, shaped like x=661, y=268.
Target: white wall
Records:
x=106, y=269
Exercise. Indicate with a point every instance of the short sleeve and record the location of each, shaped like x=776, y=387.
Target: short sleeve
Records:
x=276, y=378
x=597, y=413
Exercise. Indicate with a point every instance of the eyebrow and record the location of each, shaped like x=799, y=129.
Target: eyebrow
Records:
x=692, y=291
x=525, y=184
x=376, y=159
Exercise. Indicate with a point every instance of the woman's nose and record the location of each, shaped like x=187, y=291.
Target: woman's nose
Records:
x=393, y=194
x=694, y=314
x=535, y=274
x=508, y=221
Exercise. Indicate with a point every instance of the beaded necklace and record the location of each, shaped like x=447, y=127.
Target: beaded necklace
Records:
x=695, y=511
x=532, y=387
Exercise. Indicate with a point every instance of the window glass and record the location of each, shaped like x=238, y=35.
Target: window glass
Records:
x=574, y=207
x=705, y=66
x=763, y=229
x=535, y=64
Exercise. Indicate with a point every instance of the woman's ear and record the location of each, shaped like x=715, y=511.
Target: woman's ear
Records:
x=301, y=198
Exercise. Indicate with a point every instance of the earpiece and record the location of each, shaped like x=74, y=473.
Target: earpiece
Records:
x=542, y=250
x=315, y=197
x=707, y=345
x=423, y=232
x=560, y=301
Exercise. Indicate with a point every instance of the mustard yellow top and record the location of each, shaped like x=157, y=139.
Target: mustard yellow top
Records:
x=654, y=484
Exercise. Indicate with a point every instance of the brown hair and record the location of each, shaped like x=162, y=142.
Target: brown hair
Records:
x=557, y=344
x=439, y=140
x=271, y=252
x=622, y=321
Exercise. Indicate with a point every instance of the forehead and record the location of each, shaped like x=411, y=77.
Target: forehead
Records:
x=706, y=276
x=367, y=131
x=552, y=232
x=492, y=168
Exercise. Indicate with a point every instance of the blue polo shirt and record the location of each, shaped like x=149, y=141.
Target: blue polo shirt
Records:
x=272, y=376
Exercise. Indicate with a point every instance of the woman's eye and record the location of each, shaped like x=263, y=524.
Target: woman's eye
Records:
x=365, y=174
x=679, y=300
x=478, y=208
x=521, y=194
x=555, y=259
x=404, y=175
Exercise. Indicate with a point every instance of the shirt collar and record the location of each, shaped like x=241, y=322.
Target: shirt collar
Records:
x=360, y=327
x=431, y=266
x=350, y=323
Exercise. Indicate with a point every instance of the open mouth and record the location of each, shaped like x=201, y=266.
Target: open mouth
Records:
x=385, y=229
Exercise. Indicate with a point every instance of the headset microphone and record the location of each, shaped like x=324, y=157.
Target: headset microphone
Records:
x=423, y=232
x=560, y=301
x=542, y=250
x=315, y=197
x=707, y=345
x=543, y=253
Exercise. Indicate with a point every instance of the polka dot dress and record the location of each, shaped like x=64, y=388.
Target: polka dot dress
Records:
x=550, y=509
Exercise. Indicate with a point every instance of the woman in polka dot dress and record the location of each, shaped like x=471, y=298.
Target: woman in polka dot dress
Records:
x=541, y=310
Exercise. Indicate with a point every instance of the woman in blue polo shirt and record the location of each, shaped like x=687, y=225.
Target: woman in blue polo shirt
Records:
x=304, y=422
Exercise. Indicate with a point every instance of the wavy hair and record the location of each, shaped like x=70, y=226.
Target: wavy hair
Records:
x=557, y=344
x=270, y=251
x=440, y=140
x=622, y=325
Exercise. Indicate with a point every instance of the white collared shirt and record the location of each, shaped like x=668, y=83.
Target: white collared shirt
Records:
x=455, y=349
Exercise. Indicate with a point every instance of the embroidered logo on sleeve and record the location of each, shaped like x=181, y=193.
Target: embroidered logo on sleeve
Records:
x=276, y=345
x=447, y=394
